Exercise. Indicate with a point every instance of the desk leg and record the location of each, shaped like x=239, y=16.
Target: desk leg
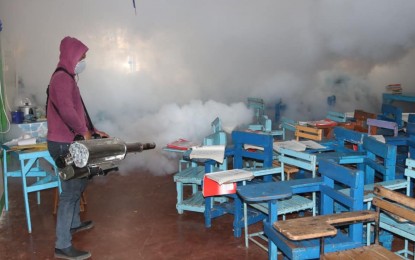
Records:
x=38, y=193
x=208, y=213
x=25, y=168
x=237, y=229
x=5, y=176
x=246, y=225
x=272, y=217
x=179, y=190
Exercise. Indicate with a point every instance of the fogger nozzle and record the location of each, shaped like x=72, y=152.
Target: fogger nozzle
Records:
x=139, y=147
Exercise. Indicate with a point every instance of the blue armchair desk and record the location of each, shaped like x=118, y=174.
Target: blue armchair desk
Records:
x=30, y=167
x=271, y=192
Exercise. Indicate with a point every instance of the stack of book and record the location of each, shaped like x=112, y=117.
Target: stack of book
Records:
x=394, y=89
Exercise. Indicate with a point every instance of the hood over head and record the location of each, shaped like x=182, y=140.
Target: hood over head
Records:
x=71, y=51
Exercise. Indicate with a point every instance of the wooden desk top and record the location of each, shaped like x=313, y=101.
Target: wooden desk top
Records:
x=321, y=226
x=28, y=148
x=28, y=151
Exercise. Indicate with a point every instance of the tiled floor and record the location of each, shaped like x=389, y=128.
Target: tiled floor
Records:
x=135, y=218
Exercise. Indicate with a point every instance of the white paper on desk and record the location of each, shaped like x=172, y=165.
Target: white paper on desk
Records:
x=214, y=152
x=405, y=117
x=379, y=138
x=291, y=144
x=230, y=176
x=250, y=146
x=312, y=144
x=27, y=141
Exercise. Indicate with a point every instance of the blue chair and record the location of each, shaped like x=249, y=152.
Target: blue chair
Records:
x=192, y=174
x=296, y=203
x=310, y=248
x=261, y=158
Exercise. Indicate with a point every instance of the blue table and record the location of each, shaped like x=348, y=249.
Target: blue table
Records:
x=29, y=160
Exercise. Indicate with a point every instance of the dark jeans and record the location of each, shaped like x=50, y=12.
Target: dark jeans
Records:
x=69, y=207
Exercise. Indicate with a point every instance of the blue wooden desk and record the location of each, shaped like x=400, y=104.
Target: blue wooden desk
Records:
x=389, y=98
x=30, y=167
x=271, y=192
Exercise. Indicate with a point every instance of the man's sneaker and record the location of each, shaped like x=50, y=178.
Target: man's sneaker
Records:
x=84, y=226
x=71, y=253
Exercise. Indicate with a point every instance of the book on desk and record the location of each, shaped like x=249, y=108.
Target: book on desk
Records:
x=224, y=182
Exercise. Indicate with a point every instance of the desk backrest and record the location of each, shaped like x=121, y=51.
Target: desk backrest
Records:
x=216, y=125
x=333, y=175
x=410, y=125
x=242, y=140
x=264, y=124
x=410, y=175
x=361, y=116
x=287, y=124
x=343, y=138
x=401, y=206
x=391, y=113
x=307, y=132
x=257, y=105
x=301, y=160
x=380, y=160
x=336, y=116
x=375, y=124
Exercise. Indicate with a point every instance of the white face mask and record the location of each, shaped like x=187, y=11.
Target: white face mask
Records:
x=80, y=66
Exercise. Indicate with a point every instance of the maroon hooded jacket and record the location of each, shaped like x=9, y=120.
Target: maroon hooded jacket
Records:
x=65, y=109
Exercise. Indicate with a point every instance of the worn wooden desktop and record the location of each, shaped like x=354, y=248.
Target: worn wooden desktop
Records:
x=29, y=166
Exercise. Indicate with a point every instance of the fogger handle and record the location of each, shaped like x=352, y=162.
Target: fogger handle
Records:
x=139, y=147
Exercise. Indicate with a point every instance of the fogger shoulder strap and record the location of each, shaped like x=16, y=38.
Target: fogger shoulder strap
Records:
x=90, y=125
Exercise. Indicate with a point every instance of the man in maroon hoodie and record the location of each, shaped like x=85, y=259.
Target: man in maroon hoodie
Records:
x=67, y=119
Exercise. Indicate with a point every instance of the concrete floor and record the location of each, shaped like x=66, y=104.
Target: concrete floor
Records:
x=135, y=218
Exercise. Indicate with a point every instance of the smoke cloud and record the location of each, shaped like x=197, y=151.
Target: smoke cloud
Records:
x=169, y=70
